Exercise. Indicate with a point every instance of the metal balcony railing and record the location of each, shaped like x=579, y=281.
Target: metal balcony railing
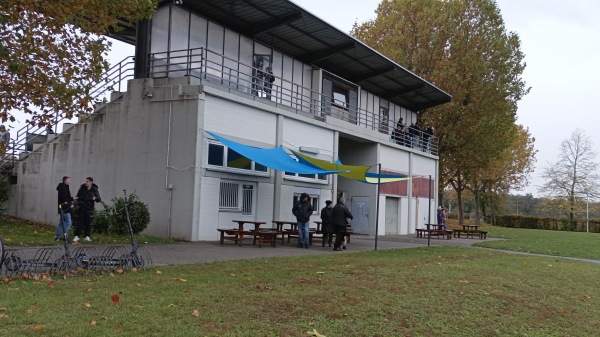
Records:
x=233, y=75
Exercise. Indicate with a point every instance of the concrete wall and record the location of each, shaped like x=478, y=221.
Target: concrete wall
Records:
x=123, y=146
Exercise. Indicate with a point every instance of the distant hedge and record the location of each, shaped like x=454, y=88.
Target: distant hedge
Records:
x=536, y=222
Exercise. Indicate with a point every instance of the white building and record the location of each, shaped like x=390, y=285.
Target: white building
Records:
x=201, y=66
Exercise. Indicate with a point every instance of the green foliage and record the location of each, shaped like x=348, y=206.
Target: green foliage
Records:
x=4, y=186
x=113, y=219
x=462, y=47
x=53, y=52
x=548, y=223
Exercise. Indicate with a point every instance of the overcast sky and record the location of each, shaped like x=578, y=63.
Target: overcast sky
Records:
x=561, y=42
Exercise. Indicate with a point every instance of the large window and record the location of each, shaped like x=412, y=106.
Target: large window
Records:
x=314, y=200
x=223, y=157
x=321, y=178
x=340, y=98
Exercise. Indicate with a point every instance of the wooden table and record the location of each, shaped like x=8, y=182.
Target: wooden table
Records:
x=293, y=230
x=283, y=232
x=237, y=234
x=470, y=227
x=434, y=229
x=471, y=231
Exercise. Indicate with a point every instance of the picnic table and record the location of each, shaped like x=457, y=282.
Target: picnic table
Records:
x=293, y=230
x=470, y=231
x=434, y=229
x=237, y=234
x=347, y=236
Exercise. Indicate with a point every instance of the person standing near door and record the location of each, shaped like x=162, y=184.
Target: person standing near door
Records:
x=339, y=218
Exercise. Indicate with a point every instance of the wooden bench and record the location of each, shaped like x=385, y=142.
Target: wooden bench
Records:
x=232, y=234
x=294, y=234
x=423, y=233
x=470, y=233
x=265, y=236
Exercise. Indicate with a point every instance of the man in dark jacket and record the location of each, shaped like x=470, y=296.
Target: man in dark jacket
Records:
x=326, y=225
x=86, y=196
x=302, y=211
x=339, y=218
x=64, y=202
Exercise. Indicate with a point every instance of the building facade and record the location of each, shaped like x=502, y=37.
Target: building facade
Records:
x=264, y=74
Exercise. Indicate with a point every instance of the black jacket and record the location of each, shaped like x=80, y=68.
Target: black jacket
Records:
x=339, y=214
x=303, y=210
x=326, y=214
x=64, y=197
x=85, y=199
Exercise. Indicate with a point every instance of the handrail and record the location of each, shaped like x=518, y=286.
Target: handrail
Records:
x=115, y=77
x=212, y=67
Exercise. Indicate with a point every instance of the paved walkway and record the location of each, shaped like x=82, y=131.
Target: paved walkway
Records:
x=210, y=251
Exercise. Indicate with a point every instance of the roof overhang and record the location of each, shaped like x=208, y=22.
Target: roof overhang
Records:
x=294, y=31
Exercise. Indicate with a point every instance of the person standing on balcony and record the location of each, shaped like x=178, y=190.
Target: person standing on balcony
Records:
x=427, y=137
x=86, y=196
x=302, y=211
x=64, y=201
x=414, y=131
x=398, y=133
x=269, y=79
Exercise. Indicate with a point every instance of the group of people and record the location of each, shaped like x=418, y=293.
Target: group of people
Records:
x=86, y=197
x=263, y=80
x=334, y=221
x=413, y=136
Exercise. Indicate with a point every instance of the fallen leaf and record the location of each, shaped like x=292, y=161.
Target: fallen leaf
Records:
x=119, y=328
x=51, y=284
x=196, y=313
x=13, y=289
x=314, y=333
x=138, y=284
x=38, y=327
x=171, y=305
x=158, y=272
x=119, y=270
x=115, y=299
x=111, y=274
x=133, y=269
x=187, y=292
x=87, y=305
x=181, y=280
x=93, y=323
x=104, y=317
x=3, y=309
x=320, y=272
x=3, y=316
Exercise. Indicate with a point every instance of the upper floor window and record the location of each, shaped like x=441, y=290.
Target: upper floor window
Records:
x=223, y=157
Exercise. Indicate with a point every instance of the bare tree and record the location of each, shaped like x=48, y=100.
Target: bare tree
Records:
x=572, y=178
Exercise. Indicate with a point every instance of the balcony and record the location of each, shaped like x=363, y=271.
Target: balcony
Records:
x=212, y=68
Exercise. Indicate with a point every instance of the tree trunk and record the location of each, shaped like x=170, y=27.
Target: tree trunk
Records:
x=477, y=200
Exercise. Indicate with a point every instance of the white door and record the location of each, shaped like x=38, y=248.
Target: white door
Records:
x=391, y=216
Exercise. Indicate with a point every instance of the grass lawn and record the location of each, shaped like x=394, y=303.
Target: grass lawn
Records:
x=558, y=243
x=439, y=291
x=19, y=232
